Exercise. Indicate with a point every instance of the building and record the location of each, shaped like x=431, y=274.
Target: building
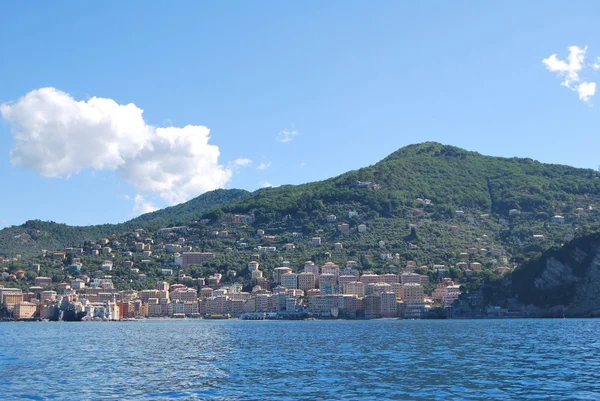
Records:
x=346, y=279
x=355, y=288
x=311, y=267
x=389, y=305
x=278, y=272
x=330, y=268
x=195, y=258
x=390, y=278
x=306, y=281
x=327, y=283
x=184, y=295
x=410, y=278
x=9, y=297
x=344, y=228
x=289, y=280
x=24, y=310
x=43, y=281
x=362, y=228
x=412, y=292
x=558, y=219
x=315, y=241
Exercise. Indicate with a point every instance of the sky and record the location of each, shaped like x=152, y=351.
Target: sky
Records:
x=112, y=109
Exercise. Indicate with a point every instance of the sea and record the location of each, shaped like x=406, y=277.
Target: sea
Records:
x=516, y=359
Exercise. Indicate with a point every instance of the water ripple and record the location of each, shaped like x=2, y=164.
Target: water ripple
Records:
x=312, y=360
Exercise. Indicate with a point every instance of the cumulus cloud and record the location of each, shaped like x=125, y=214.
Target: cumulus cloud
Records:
x=265, y=184
x=302, y=164
x=586, y=90
x=569, y=71
x=596, y=65
x=56, y=136
x=286, y=136
x=263, y=166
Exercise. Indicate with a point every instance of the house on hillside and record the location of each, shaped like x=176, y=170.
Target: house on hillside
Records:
x=558, y=219
x=362, y=228
x=344, y=228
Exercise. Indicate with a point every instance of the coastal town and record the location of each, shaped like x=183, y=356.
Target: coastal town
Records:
x=241, y=271
x=287, y=291
x=317, y=291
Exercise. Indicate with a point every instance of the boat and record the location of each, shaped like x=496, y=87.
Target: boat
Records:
x=218, y=316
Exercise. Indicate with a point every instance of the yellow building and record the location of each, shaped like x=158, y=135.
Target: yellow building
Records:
x=25, y=310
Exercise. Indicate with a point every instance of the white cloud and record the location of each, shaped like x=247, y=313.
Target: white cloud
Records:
x=586, y=90
x=126, y=197
x=286, y=136
x=596, y=65
x=142, y=206
x=569, y=71
x=265, y=184
x=263, y=166
x=302, y=164
x=238, y=163
x=56, y=136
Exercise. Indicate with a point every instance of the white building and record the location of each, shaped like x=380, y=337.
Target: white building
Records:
x=289, y=280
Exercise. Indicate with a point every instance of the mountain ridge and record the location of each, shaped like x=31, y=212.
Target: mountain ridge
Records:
x=450, y=177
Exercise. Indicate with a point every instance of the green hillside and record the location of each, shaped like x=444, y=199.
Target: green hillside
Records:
x=35, y=235
x=429, y=203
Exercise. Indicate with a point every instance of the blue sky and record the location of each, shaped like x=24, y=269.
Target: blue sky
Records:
x=354, y=80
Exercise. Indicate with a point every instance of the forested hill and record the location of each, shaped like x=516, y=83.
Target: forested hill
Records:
x=451, y=178
x=423, y=184
x=35, y=235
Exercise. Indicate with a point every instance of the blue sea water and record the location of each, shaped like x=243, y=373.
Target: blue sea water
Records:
x=302, y=360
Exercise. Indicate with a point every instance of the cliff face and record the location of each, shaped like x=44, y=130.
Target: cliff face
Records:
x=563, y=281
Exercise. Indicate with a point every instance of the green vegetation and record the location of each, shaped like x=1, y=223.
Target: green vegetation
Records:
x=33, y=236
x=411, y=196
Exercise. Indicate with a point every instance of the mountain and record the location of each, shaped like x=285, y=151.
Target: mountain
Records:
x=35, y=235
x=454, y=212
x=452, y=178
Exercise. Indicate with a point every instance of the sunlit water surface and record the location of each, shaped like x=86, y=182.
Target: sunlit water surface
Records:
x=302, y=360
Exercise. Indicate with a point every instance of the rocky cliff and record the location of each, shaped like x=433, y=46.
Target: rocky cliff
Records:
x=561, y=281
